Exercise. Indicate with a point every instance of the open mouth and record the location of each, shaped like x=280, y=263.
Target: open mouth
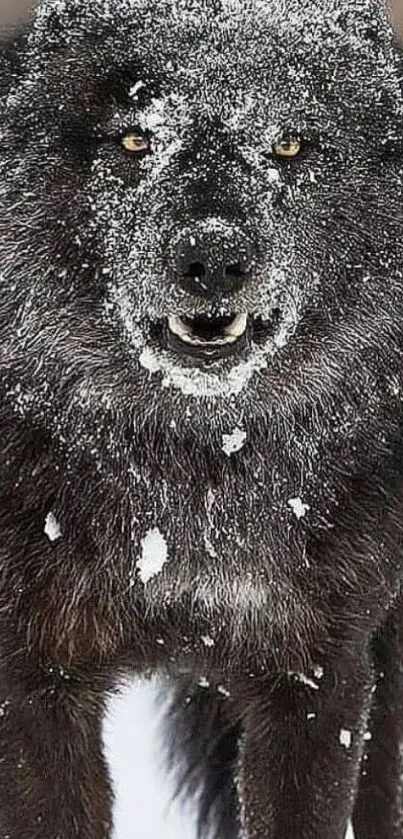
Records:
x=212, y=337
x=207, y=336
x=208, y=331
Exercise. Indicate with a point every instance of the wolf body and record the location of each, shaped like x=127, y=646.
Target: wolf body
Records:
x=225, y=511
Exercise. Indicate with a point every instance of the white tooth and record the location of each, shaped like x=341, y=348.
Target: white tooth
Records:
x=237, y=327
x=183, y=331
x=231, y=332
x=178, y=327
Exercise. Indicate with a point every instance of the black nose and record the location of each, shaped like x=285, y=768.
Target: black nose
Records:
x=212, y=259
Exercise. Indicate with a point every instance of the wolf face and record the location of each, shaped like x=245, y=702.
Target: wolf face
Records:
x=214, y=192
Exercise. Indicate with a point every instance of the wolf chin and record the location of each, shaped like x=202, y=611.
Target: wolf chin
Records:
x=201, y=337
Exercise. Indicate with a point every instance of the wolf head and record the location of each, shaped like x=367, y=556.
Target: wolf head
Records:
x=202, y=212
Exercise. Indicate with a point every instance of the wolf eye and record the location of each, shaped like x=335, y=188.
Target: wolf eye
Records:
x=135, y=143
x=287, y=148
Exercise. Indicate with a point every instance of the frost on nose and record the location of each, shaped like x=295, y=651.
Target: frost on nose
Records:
x=212, y=257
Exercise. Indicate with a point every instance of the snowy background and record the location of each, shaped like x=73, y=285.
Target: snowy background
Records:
x=143, y=807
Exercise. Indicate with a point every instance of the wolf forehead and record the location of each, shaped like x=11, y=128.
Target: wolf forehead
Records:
x=193, y=15
x=217, y=33
x=239, y=52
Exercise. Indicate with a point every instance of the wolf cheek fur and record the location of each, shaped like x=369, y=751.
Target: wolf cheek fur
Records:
x=223, y=506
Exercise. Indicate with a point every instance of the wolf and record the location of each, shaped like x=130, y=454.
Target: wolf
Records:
x=201, y=373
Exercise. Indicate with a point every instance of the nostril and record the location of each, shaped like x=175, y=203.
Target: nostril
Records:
x=211, y=264
x=233, y=271
x=196, y=271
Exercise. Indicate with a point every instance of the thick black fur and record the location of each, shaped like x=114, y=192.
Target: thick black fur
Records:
x=266, y=487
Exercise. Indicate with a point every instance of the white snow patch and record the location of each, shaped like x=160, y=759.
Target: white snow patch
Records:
x=52, y=528
x=318, y=671
x=233, y=442
x=273, y=176
x=133, y=92
x=200, y=383
x=223, y=691
x=154, y=555
x=203, y=682
x=350, y=832
x=3, y=707
x=345, y=738
x=209, y=547
x=298, y=507
x=208, y=641
x=305, y=680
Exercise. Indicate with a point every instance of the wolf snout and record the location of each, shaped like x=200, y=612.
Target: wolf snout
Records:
x=212, y=258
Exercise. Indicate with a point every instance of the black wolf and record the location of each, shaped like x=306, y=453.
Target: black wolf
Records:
x=201, y=374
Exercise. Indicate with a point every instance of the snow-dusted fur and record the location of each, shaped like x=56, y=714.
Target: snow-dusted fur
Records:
x=238, y=524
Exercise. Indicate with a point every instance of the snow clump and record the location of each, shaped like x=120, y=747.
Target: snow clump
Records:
x=154, y=555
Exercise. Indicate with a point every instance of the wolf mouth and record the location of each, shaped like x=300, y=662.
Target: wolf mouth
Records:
x=209, y=331
x=210, y=337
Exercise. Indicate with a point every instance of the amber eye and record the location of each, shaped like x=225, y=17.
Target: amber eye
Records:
x=135, y=143
x=287, y=148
